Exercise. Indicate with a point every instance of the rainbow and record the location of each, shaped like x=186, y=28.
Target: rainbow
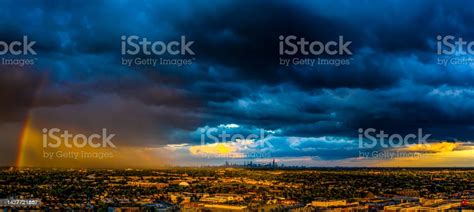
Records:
x=25, y=134
x=23, y=140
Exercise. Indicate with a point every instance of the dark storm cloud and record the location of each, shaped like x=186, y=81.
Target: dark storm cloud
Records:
x=17, y=93
x=393, y=83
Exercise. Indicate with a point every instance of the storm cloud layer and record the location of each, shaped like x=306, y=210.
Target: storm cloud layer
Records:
x=394, y=82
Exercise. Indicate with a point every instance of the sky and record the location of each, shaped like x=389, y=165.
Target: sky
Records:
x=234, y=83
